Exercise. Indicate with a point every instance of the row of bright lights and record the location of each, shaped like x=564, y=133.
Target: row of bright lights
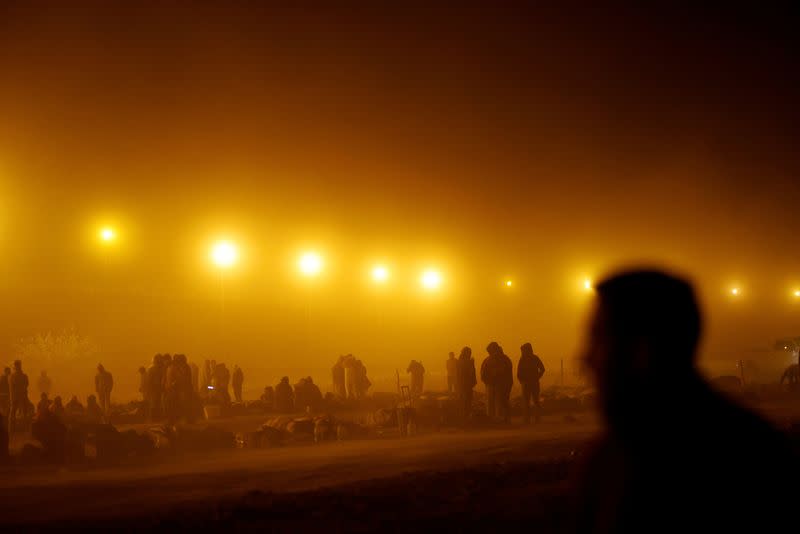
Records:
x=225, y=254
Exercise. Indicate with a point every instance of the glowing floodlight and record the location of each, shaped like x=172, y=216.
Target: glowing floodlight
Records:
x=224, y=254
x=380, y=273
x=587, y=284
x=107, y=234
x=310, y=264
x=735, y=291
x=509, y=283
x=796, y=293
x=431, y=280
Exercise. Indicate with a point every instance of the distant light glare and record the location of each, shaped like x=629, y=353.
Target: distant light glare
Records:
x=108, y=234
x=224, y=254
x=796, y=293
x=431, y=280
x=587, y=284
x=380, y=273
x=509, y=283
x=310, y=264
x=735, y=291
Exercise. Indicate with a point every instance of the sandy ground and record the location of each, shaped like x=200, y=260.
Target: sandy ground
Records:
x=161, y=492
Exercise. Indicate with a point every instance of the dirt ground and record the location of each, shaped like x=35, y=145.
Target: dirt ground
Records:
x=248, y=487
x=453, y=479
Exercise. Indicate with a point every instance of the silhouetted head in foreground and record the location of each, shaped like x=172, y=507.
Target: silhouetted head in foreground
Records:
x=466, y=353
x=494, y=349
x=675, y=451
x=643, y=339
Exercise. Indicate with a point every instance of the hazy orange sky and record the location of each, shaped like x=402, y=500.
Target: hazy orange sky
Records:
x=492, y=141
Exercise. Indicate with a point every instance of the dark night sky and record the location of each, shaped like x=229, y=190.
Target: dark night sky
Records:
x=545, y=144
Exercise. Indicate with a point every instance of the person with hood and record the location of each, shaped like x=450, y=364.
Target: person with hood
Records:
x=44, y=383
x=498, y=376
x=307, y=395
x=337, y=373
x=284, y=397
x=103, y=384
x=18, y=394
x=5, y=392
x=155, y=387
x=465, y=381
x=530, y=370
x=237, y=380
x=417, y=372
x=268, y=398
x=452, y=371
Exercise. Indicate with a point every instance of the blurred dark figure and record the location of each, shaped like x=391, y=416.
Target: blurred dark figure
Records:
x=337, y=373
x=4, y=456
x=284, y=398
x=44, y=384
x=221, y=382
x=237, y=380
x=195, y=376
x=143, y=383
x=5, y=391
x=530, y=370
x=178, y=389
x=57, y=408
x=205, y=380
x=497, y=373
x=154, y=391
x=94, y=413
x=452, y=371
x=362, y=382
x=300, y=401
x=313, y=395
x=676, y=455
x=792, y=377
x=74, y=408
x=268, y=397
x=103, y=384
x=49, y=430
x=18, y=394
x=465, y=381
x=44, y=403
x=351, y=375
x=417, y=372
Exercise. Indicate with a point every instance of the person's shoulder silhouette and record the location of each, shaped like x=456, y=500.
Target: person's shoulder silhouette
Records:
x=675, y=453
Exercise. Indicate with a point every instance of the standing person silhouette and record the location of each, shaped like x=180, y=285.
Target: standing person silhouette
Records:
x=675, y=454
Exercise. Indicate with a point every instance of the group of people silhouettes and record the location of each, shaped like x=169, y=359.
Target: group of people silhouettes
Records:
x=497, y=375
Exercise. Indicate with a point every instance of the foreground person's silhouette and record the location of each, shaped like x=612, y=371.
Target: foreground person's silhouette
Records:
x=676, y=455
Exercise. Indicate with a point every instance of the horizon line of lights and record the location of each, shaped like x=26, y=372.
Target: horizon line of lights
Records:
x=224, y=254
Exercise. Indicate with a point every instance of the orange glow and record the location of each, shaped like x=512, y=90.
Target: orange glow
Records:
x=431, y=280
x=380, y=273
x=107, y=234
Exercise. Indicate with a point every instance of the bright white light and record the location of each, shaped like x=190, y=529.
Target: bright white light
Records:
x=108, y=234
x=797, y=293
x=509, y=283
x=431, y=280
x=587, y=284
x=310, y=264
x=224, y=254
x=380, y=273
x=735, y=291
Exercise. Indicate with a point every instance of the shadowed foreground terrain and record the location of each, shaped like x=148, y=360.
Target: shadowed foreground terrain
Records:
x=456, y=476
